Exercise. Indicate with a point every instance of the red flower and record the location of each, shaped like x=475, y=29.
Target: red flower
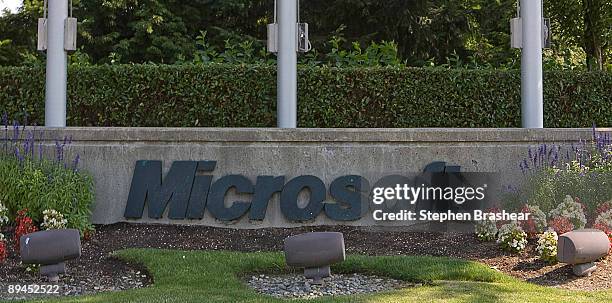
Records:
x=3, y=253
x=561, y=225
x=87, y=235
x=604, y=207
x=25, y=226
x=603, y=227
x=528, y=226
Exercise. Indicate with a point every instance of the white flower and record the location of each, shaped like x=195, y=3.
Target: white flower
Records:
x=486, y=230
x=547, y=246
x=512, y=237
x=604, y=219
x=53, y=220
x=538, y=217
x=3, y=214
x=571, y=210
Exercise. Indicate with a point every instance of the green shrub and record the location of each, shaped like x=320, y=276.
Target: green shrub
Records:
x=38, y=186
x=245, y=96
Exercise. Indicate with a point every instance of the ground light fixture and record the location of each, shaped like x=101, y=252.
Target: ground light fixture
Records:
x=315, y=252
x=51, y=249
x=582, y=248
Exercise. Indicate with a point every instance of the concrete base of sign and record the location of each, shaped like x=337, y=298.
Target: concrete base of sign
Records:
x=110, y=155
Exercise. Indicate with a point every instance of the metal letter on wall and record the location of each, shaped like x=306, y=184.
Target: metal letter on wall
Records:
x=289, y=198
x=348, y=191
x=175, y=190
x=199, y=192
x=147, y=188
x=216, y=199
x=147, y=175
x=265, y=188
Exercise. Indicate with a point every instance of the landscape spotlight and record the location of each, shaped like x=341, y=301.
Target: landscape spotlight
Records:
x=581, y=248
x=315, y=252
x=50, y=249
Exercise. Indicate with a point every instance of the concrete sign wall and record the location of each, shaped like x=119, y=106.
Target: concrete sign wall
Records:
x=111, y=155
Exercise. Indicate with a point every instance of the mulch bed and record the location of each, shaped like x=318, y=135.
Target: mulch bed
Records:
x=96, y=271
x=97, y=264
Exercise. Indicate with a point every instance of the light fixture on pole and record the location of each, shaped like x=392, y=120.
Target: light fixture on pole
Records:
x=57, y=33
x=287, y=37
x=531, y=32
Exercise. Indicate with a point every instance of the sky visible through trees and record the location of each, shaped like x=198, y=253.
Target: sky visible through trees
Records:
x=11, y=5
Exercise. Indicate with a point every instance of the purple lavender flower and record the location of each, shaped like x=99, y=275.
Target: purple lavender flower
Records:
x=75, y=163
x=18, y=155
x=15, y=131
x=530, y=154
x=58, y=151
x=26, y=146
x=5, y=122
x=29, y=144
x=33, y=141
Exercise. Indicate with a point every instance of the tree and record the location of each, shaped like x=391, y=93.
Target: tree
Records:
x=133, y=31
x=587, y=23
x=464, y=33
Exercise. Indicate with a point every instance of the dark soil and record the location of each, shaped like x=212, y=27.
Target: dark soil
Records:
x=96, y=271
x=100, y=270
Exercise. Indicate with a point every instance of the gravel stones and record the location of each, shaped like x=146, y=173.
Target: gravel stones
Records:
x=71, y=284
x=296, y=286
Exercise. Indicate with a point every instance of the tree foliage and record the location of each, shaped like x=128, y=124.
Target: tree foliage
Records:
x=588, y=24
x=464, y=33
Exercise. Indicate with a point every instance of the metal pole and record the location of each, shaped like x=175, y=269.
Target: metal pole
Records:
x=55, y=98
x=532, y=87
x=287, y=64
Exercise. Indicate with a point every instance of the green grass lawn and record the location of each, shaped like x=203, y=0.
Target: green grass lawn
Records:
x=198, y=276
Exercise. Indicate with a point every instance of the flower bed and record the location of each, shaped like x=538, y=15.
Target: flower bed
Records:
x=565, y=193
x=35, y=178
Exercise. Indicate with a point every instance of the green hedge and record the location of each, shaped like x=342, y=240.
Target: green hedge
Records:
x=245, y=96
